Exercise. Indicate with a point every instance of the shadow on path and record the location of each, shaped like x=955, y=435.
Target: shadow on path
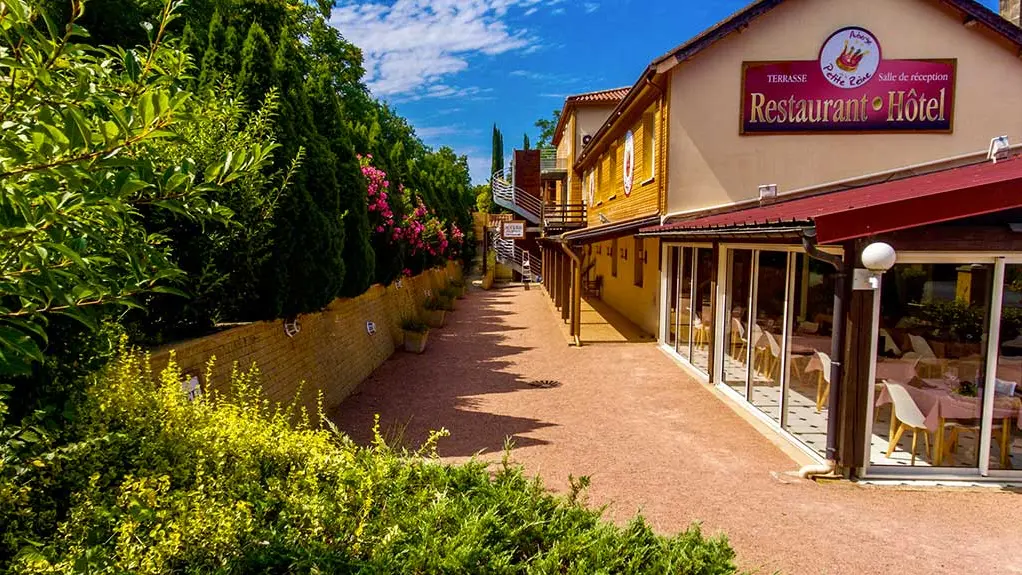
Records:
x=442, y=388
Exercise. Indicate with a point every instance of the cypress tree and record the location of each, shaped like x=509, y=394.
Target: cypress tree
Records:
x=308, y=263
x=232, y=51
x=525, y=143
x=358, y=254
x=497, y=160
x=212, y=58
x=256, y=76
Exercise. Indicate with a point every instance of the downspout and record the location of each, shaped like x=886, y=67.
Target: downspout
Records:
x=837, y=344
x=575, y=297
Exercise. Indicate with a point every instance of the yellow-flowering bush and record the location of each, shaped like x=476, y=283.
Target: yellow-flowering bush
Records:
x=158, y=483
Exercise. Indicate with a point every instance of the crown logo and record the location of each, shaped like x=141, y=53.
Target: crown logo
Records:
x=850, y=58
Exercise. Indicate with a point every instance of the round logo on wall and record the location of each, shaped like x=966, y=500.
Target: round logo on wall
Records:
x=850, y=57
x=629, y=160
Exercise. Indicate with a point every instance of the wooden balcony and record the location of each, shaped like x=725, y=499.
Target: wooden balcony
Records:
x=559, y=217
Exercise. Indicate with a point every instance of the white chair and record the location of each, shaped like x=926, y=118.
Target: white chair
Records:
x=907, y=415
x=768, y=353
x=889, y=345
x=738, y=340
x=920, y=346
x=823, y=381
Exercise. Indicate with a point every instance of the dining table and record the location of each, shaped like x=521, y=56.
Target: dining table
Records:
x=941, y=404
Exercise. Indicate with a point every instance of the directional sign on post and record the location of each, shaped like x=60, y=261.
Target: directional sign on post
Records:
x=513, y=230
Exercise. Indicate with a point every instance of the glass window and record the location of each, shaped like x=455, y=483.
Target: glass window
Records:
x=685, y=335
x=931, y=357
x=672, y=295
x=738, y=302
x=767, y=332
x=1006, y=441
x=649, y=143
x=809, y=347
x=702, y=283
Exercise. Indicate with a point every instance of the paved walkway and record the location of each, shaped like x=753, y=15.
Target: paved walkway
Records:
x=656, y=441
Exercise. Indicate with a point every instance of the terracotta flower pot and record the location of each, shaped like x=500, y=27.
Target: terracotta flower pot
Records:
x=415, y=341
x=434, y=317
x=488, y=280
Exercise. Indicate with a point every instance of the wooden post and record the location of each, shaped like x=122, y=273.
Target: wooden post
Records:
x=576, y=319
x=565, y=287
x=555, y=272
x=855, y=381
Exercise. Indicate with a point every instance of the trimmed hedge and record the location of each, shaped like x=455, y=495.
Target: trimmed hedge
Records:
x=156, y=483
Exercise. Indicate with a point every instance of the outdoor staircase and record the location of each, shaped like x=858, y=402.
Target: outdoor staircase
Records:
x=510, y=254
x=509, y=197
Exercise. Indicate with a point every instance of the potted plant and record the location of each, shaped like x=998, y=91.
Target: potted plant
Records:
x=446, y=298
x=416, y=334
x=434, y=314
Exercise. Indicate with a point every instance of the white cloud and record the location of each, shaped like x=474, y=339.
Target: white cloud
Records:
x=590, y=7
x=411, y=46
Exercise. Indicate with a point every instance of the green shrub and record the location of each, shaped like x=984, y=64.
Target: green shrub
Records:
x=412, y=324
x=433, y=304
x=158, y=484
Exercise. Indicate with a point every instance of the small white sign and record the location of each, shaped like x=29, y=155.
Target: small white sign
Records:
x=192, y=388
x=512, y=230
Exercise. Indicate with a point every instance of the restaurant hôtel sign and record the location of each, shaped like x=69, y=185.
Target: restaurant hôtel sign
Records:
x=849, y=88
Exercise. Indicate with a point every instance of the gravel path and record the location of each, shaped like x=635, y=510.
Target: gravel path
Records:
x=655, y=441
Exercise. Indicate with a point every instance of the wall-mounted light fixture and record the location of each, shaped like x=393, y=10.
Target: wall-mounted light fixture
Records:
x=999, y=148
x=878, y=257
x=292, y=327
x=370, y=328
x=603, y=218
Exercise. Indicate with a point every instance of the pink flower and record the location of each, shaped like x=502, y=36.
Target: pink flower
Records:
x=379, y=229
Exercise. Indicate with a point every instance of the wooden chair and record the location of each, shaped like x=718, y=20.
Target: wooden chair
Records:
x=822, y=381
x=738, y=341
x=906, y=414
x=768, y=354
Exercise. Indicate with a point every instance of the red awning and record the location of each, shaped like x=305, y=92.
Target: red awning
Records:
x=910, y=202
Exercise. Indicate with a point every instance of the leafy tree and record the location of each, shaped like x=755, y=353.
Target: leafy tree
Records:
x=484, y=198
x=546, y=129
x=525, y=142
x=79, y=180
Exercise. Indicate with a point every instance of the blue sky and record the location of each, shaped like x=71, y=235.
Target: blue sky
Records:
x=454, y=67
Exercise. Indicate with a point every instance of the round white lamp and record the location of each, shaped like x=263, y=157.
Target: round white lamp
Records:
x=879, y=257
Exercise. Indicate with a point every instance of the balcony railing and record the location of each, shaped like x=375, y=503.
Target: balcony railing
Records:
x=564, y=216
x=549, y=162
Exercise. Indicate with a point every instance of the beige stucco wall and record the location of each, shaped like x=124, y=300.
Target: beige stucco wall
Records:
x=589, y=119
x=711, y=165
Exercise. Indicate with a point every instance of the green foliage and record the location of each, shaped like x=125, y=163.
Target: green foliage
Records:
x=546, y=129
x=155, y=483
x=79, y=179
x=256, y=75
x=414, y=324
x=497, y=160
x=484, y=198
x=953, y=320
x=525, y=142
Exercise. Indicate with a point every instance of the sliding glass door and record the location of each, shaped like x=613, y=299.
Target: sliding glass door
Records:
x=687, y=314
x=948, y=366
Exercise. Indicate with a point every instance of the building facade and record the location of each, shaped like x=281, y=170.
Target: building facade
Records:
x=816, y=207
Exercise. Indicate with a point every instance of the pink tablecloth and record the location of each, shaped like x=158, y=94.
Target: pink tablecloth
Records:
x=937, y=401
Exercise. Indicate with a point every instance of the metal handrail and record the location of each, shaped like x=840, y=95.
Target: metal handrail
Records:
x=507, y=196
x=508, y=252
